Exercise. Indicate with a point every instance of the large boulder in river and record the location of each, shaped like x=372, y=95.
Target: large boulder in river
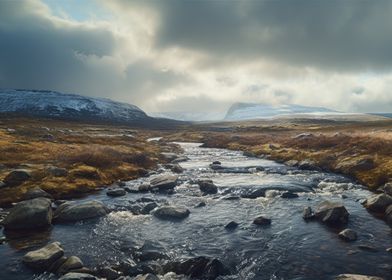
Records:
x=356, y=277
x=78, y=276
x=199, y=268
x=35, y=193
x=43, y=258
x=379, y=202
x=70, y=264
x=71, y=212
x=332, y=213
x=163, y=183
x=207, y=187
x=17, y=177
x=29, y=214
x=171, y=212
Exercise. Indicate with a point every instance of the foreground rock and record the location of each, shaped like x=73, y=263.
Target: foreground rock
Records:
x=378, y=203
x=163, y=183
x=29, y=214
x=71, y=212
x=348, y=235
x=17, y=177
x=207, y=187
x=115, y=192
x=332, y=213
x=43, y=258
x=171, y=212
x=356, y=277
x=78, y=276
x=199, y=267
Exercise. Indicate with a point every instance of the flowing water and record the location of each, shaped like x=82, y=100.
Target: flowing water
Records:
x=290, y=248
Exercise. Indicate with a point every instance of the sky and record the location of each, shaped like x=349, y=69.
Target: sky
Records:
x=201, y=55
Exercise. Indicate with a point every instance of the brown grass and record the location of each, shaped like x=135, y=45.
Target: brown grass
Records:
x=94, y=156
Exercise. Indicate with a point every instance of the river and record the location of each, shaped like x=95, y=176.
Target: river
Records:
x=290, y=248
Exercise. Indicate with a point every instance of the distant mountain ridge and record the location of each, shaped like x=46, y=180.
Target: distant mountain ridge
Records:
x=247, y=111
x=57, y=105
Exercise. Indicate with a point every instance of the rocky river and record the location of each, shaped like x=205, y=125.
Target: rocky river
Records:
x=213, y=225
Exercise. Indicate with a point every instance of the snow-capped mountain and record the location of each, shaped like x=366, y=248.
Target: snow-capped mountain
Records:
x=247, y=111
x=51, y=104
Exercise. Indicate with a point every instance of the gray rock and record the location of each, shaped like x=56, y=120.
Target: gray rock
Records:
x=262, y=221
x=164, y=182
x=348, y=235
x=207, y=187
x=17, y=177
x=78, y=276
x=109, y=273
x=171, y=212
x=146, y=277
x=70, y=264
x=254, y=194
x=144, y=187
x=148, y=208
x=2, y=185
x=356, y=277
x=36, y=193
x=57, y=171
x=332, y=213
x=176, y=168
x=198, y=268
x=116, y=192
x=71, y=212
x=43, y=258
x=387, y=188
x=378, y=203
x=307, y=165
x=29, y=214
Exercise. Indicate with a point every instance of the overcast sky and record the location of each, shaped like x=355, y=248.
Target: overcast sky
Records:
x=179, y=55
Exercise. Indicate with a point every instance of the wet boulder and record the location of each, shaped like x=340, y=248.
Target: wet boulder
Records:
x=262, y=221
x=199, y=267
x=108, y=273
x=171, y=212
x=17, y=177
x=253, y=194
x=163, y=183
x=29, y=214
x=148, y=276
x=78, y=276
x=207, y=187
x=36, y=193
x=356, y=277
x=115, y=192
x=307, y=165
x=71, y=212
x=43, y=258
x=148, y=208
x=70, y=264
x=378, y=203
x=216, y=165
x=332, y=213
x=348, y=235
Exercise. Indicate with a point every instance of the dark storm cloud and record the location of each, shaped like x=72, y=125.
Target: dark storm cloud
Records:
x=332, y=34
x=40, y=52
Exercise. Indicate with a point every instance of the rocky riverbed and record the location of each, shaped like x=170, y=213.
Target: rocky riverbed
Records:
x=210, y=214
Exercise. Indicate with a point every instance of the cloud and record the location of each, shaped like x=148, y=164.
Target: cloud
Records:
x=203, y=55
